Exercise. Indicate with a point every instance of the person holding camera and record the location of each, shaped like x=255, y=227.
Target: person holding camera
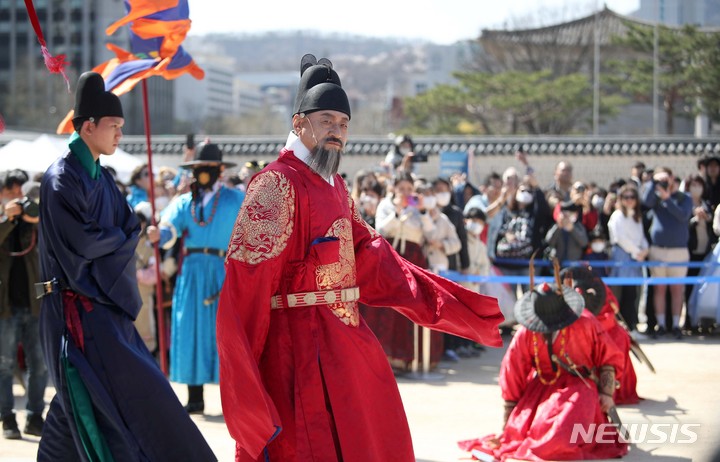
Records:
x=402, y=220
x=669, y=235
x=19, y=309
x=568, y=238
x=402, y=155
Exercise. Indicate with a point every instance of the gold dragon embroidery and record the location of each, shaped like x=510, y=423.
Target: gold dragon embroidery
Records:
x=265, y=221
x=341, y=274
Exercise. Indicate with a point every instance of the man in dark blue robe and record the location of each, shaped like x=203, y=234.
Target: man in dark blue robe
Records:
x=113, y=403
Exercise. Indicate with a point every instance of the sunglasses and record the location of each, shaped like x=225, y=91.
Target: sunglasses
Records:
x=628, y=197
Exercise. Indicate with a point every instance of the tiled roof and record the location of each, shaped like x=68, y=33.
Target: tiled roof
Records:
x=482, y=146
x=579, y=32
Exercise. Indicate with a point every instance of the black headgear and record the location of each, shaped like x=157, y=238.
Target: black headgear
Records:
x=589, y=285
x=91, y=99
x=319, y=88
x=207, y=153
x=546, y=308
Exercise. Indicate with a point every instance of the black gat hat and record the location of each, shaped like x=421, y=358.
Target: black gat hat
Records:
x=320, y=88
x=92, y=100
x=207, y=153
x=546, y=309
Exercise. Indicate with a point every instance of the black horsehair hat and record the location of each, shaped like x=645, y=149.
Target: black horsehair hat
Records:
x=207, y=153
x=549, y=307
x=320, y=88
x=92, y=100
x=589, y=285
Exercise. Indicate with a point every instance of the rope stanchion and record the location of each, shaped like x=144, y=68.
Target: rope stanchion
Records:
x=608, y=263
x=611, y=281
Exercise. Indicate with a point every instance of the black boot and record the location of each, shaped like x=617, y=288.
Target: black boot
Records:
x=196, y=402
x=34, y=425
x=10, y=428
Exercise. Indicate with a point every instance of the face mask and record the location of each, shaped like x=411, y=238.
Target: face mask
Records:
x=443, y=198
x=206, y=176
x=696, y=191
x=367, y=199
x=524, y=197
x=429, y=202
x=161, y=202
x=474, y=227
x=598, y=247
x=404, y=150
x=598, y=202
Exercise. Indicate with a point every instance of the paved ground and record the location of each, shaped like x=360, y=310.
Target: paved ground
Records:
x=466, y=403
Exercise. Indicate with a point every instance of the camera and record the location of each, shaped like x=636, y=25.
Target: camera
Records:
x=29, y=207
x=420, y=157
x=663, y=184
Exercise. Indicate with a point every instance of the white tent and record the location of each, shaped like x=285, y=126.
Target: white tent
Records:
x=36, y=156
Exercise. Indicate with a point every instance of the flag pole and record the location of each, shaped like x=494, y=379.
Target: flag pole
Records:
x=156, y=246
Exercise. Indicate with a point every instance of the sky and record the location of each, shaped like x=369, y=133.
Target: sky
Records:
x=438, y=21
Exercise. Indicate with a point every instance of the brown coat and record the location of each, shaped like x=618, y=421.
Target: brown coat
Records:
x=32, y=266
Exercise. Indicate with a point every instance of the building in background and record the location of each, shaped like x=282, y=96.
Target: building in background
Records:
x=704, y=13
x=212, y=97
x=31, y=97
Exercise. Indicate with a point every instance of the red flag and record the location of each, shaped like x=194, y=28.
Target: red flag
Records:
x=55, y=64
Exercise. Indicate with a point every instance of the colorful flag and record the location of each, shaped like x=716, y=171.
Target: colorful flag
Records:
x=157, y=29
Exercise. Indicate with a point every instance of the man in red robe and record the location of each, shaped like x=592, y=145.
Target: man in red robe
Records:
x=602, y=304
x=302, y=377
x=557, y=376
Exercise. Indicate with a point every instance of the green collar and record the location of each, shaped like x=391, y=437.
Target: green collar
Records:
x=83, y=154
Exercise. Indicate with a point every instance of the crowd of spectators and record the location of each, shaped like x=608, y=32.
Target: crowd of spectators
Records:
x=651, y=215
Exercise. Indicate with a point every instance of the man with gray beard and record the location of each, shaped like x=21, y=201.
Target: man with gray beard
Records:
x=302, y=377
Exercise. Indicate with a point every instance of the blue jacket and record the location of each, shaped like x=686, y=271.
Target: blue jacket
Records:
x=670, y=218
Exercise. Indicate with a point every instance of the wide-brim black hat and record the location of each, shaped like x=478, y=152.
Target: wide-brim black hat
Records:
x=207, y=154
x=92, y=100
x=544, y=310
x=589, y=285
x=320, y=88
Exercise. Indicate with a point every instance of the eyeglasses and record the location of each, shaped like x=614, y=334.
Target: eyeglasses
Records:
x=628, y=197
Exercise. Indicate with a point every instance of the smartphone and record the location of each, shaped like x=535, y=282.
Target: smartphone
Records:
x=413, y=201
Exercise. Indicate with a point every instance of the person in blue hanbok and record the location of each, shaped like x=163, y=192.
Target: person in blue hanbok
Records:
x=112, y=401
x=204, y=218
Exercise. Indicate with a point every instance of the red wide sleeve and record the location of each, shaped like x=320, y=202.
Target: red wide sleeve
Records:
x=256, y=255
x=604, y=350
x=516, y=366
x=388, y=280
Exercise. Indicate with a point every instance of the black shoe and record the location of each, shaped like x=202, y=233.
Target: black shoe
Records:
x=197, y=407
x=677, y=333
x=10, y=428
x=34, y=425
x=660, y=332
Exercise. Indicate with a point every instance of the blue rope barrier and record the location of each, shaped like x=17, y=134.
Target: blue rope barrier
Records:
x=611, y=281
x=608, y=263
